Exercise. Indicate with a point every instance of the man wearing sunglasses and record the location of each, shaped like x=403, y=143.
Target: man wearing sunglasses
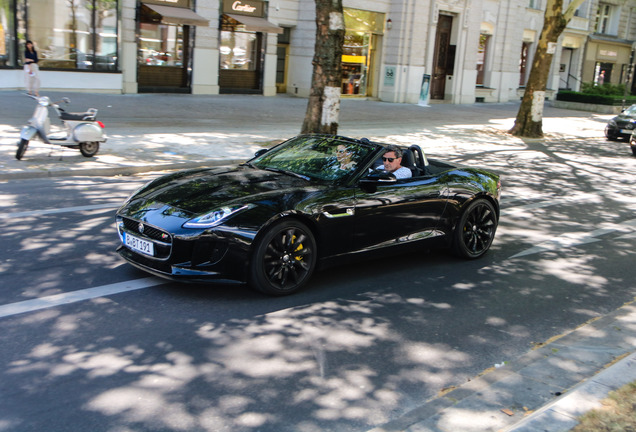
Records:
x=392, y=160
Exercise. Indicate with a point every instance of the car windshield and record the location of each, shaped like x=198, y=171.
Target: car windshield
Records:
x=316, y=157
x=631, y=111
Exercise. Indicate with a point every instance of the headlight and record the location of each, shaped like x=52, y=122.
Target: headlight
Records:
x=44, y=101
x=611, y=123
x=214, y=218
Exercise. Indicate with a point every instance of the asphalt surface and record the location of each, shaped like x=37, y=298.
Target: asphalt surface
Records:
x=543, y=390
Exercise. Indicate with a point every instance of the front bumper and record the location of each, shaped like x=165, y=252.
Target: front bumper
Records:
x=199, y=257
x=619, y=130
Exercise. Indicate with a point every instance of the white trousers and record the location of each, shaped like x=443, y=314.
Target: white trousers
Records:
x=32, y=78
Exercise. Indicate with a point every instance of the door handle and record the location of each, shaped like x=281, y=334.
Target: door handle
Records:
x=346, y=213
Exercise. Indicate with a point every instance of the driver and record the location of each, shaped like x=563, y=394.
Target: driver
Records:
x=392, y=159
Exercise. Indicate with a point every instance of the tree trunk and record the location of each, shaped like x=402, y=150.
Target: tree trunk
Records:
x=529, y=122
x=323, y=106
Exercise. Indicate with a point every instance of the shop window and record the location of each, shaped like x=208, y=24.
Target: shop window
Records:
x=7, y=50
x=239, y=49
x=160, y=45
x=603, y=73
x=362, y=27
x=482, y=50
x=72, y=34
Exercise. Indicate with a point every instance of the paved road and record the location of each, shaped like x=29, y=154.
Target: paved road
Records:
x=363, y=346
x=559, y=257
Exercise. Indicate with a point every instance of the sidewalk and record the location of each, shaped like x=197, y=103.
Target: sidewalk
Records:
x=157, y=132
x=544, y=390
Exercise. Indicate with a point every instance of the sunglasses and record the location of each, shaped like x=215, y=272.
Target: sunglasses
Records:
x=388, y=159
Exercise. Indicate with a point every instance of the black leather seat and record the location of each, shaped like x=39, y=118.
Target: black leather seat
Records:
x=408, y=161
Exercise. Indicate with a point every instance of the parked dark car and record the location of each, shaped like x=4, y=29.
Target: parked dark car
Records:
x=622, y=125
x=273, y=220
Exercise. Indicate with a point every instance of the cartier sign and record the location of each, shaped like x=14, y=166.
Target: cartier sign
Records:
x=244, y=7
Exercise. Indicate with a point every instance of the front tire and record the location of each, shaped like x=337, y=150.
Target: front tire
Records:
x=89, y=149
x=22, y=147
x=475, y=230
x=283, y=259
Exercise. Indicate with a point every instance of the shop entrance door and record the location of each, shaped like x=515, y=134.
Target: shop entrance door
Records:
x=442, y=61
x=163, y=58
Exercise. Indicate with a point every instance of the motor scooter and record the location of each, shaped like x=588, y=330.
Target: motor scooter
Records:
x=80, y=130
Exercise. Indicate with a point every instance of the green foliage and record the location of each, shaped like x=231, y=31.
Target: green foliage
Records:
x=607, y=89
x=594, y=98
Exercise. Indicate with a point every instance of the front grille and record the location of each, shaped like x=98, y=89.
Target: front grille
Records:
x=149, y=231
x=162, y=240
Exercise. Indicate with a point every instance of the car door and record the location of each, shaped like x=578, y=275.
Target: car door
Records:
x=398, y=212
x=333, y=210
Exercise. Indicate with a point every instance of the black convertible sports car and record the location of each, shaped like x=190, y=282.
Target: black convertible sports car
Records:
x=308, y=202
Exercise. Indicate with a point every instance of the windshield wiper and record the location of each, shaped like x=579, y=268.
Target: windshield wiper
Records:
x=290, y=173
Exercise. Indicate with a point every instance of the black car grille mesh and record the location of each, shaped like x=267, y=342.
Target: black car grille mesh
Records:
x=148, y=231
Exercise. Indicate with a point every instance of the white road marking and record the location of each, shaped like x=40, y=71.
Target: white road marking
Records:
x=573, y=239
x=76, y=296
x=59, y=210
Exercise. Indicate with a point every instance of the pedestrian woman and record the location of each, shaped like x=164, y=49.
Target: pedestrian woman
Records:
x=31, y=69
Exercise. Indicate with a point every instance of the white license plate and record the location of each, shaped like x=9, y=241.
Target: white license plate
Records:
x=626, y=131
x=140, y=245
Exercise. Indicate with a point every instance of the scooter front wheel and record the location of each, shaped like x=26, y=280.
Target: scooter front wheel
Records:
x=22, y=146
x=89, y=149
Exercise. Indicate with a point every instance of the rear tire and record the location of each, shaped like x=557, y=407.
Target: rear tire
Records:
x=284, y=259
x=22, y=147
x=89, y=149
x=475, y=230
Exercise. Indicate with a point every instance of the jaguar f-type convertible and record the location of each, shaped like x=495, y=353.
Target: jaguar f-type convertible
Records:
x=307, y=203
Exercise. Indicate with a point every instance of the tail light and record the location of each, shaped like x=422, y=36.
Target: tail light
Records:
x=101, y=124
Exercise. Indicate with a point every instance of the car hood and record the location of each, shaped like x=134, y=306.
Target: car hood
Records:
x=624, y=118
x=197, y=192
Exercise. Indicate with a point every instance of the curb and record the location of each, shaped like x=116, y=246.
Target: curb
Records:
x=122, y=170
x=563, y=413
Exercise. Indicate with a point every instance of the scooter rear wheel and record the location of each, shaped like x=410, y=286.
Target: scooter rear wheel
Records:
x=22, y=146
x=89, y=149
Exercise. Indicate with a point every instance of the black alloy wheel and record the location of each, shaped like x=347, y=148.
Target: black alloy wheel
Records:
x=284, y=259
x=475, y=230
x=89, y=149
x=22, y=147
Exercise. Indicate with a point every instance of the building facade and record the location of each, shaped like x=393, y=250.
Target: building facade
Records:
x=406, y=51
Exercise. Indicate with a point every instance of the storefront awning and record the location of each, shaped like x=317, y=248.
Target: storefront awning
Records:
x=180, y=16
x=256, y=24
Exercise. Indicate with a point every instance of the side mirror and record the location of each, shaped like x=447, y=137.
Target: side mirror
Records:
x=260, y=152
x=66, y=100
